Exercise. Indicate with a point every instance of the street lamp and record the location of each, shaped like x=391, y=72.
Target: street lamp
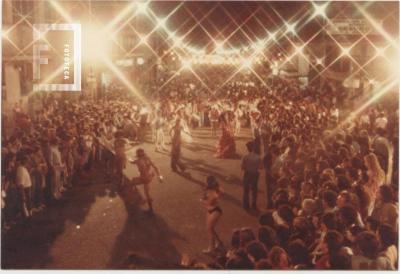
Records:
x=345, y=51
x=140, y=61
x=290, y=27
x=319, y=61
x=142, y=7
x=161, y=23
x=320, y=10
x=143, y=39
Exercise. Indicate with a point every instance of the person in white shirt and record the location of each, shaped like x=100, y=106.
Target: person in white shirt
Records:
x=24, y=184
x=364, y=120
x=381, y=121
x=238, y=115
x=56, y=166
x=335, y=115
x=388, y=244
x=159, y=124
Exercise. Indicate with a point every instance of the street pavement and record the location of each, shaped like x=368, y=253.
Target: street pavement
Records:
x=94, y=227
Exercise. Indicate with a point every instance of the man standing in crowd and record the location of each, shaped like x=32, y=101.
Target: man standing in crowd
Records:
x=56, y=168
x=24, y=185
x=251, y=163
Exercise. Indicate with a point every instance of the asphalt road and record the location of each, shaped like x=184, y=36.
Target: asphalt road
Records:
x=93, y=227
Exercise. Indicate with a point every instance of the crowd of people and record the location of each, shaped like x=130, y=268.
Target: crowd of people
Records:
x=331, y=183
x=331, y=187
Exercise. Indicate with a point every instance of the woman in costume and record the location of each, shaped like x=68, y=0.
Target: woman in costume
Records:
x=226, y=146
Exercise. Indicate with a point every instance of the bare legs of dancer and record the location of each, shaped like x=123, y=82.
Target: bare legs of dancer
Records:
x=211, y=221
x=149, y=200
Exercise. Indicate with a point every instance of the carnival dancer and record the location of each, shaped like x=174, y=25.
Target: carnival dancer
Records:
x=159, y=124
x=214, y=114
x=226, y=146
x=146, y=173
x=214, y=212
x=237, y=125
x=176, y=142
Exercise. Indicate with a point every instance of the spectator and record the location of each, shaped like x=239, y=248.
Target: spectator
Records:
x=24, y=183
x=329, y=201
x=256, y=251
x=367, y=251
x=376, y=178
x=251, y=163
x=278, y=258
x=386, y=211
x=387, y=238
x=340, y=261
x=246, y=236
x=267, y=236
x=298, y=254
x=332, y=243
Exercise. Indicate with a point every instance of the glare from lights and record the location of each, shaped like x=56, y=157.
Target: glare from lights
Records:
x=272, y=35
x=142, y=7
x=219, y=46
x=143, y=39
x=178, y=42
x=172, y=35
x=320, y=10
x=380, y=51
x=4, y=34
x=291, y=27
x=259, y=45
x=200, y=52
x=186, y=64
x=346, y=51
x=161, y=23
x=299, y=49
x=247, y=63
x=319, y=61
x=140, y=61
x=95, y=43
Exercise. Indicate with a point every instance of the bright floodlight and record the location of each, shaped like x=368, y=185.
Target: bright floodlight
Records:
x=161, y=23
x=320, y=10
x=219, y=46
x=95, y=43
x=172, y=35
x=319, y=61
x=143, y=39
x=200, y=51
x=380, y=51
x=345, y=51
x=247, y=63
x=178, y=41
x=299, y=49
x=291, y=27
x=186, y=64
x=259, y=45
x=272, y=35
x=142, y=7
x=140, y=61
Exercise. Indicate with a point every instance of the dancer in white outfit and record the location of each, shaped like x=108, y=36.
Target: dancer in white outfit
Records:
x=159, y=124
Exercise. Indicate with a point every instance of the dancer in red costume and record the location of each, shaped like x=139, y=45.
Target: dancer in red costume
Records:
x=226, y=146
